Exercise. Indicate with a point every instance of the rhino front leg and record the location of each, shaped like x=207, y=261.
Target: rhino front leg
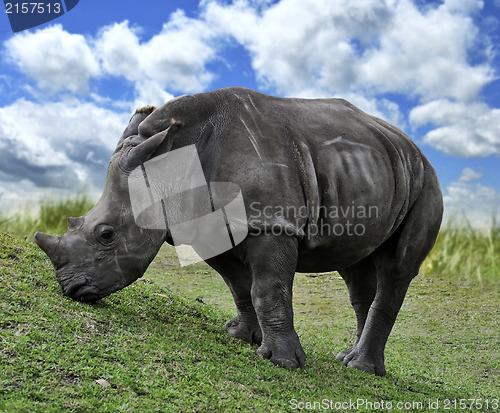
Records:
x=272, y=261
x=361, y=280
x=238, y=278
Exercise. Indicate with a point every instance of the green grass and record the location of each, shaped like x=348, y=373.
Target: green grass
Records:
x=469, y=253
x=50, y=217
x=161, y=346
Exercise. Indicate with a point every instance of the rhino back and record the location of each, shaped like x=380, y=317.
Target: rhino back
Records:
x=323, y=159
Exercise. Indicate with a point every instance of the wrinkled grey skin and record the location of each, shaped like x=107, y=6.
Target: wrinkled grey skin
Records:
x=294, y=153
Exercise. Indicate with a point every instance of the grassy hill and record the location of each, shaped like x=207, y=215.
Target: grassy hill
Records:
x=159, y=345
x=148, y=349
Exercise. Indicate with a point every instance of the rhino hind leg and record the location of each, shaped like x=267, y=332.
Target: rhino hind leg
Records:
x=367, y=354
x=245, y=324
x=397, y=262
x=361, y=280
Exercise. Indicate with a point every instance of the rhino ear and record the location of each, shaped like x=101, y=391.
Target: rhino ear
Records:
x=75, y=223
x=141, y=153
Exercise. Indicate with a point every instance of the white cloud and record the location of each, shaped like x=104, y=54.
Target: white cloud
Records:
x=299, y=47
x=66, y=144
x=469, y=174
x=477, y=202
x=426, y=54
x=382, y=108
x=178, y=55
x=56, y=59
x=59, y=145
x=174, y=59
x=464, y=130
x=119, y=50
x=149, y=93
x=318, y=47
x=307, y=48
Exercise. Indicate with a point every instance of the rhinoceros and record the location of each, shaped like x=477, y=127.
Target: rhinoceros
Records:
x=325, y=187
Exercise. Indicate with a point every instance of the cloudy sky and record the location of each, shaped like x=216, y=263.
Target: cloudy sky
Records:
x=68, y=87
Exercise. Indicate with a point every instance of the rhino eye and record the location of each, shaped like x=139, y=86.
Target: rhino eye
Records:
x=105, y=234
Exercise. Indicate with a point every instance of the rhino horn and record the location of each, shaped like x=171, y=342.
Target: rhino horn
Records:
x=133, y=125
x=75, y=223
x=143, y=152
x=47, y=243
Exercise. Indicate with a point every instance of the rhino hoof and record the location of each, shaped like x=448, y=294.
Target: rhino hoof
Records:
x=343, y=354
x=250, y=333
x=368, y=368
x=290, y=358
x=355, y=360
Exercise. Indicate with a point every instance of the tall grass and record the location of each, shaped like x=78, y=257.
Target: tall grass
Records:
x=461, y=251
x=466, y=252
x=50, y=217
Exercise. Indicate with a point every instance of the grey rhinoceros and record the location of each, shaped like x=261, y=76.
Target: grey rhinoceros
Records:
x=325, y=187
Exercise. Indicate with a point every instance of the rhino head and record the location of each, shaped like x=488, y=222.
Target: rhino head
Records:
x=105, y=250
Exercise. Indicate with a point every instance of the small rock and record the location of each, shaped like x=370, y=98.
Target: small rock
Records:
x=103, y=383
x=164, y=296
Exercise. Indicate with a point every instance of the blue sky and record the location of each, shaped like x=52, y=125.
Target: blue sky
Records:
x=68, y=87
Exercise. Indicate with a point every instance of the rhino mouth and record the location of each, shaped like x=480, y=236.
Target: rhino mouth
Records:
x=81, y=291
x=87, y=294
